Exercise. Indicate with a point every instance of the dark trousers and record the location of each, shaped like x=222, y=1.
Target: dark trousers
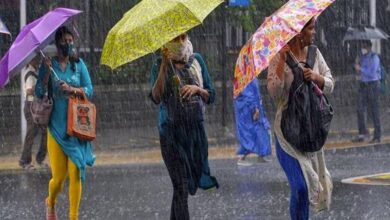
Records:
x=32, y=132
x=177, y=173
x=369, y=100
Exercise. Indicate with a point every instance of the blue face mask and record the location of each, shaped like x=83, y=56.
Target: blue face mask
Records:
x=66, y=49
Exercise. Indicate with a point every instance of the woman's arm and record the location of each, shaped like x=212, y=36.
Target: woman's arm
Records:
x=208, y=91
x=275, y=77
x=324, y=71
x=85, y=81
x=159, y=82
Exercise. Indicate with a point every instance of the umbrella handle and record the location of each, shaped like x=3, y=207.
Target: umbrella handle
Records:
x=173, y=69
x=51, y=68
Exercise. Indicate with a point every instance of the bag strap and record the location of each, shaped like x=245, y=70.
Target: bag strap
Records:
x=311, y=56
x=291, y=62
x=49, y=88
x=28, y=74
x=310, y=59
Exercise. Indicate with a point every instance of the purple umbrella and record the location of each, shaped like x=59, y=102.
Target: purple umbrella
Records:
x=31, y=39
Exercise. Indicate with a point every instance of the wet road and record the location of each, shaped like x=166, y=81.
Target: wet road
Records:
x=246, y=193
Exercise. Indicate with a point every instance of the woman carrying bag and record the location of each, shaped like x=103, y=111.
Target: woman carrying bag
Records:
x=182, y=86
x=308, y=177
x=68, y=155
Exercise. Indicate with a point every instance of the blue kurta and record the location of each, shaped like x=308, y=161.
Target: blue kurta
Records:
x=252, y=135
x=191, y=143
x=80, y=152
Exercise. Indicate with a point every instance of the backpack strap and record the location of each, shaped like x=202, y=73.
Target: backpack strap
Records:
x=310, y=59
x=291, y=62
x=50, y=87
x=311, y=56
x=28, y=74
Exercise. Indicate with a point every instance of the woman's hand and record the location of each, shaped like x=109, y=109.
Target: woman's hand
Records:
x=67, y=89
x=165, y=58
x=310, y=75
x=189, y=90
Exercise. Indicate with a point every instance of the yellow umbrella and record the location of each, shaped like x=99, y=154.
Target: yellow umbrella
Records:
x=149, y=25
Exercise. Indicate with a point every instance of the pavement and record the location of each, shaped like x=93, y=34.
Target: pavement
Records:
x=218, y=150
x=135, y=185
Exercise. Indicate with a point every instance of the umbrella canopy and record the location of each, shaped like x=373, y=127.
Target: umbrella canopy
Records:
x=149, y=25
x=364, y=33
x=31, y=39
x=3, y=28
x=275, y=32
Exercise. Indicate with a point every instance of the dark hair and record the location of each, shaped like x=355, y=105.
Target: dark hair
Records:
x=307, y=24
x=60, y=33
x=367, y=43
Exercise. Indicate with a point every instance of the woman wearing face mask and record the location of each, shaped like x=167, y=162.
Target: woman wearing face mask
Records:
x=308, y=177
x=181, y=85
x=68, y=155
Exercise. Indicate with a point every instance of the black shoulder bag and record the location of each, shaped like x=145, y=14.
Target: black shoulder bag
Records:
x=183, y=111
x=306, y=121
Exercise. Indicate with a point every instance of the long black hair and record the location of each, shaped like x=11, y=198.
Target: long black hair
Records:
x=307, y=24
x=60, y=33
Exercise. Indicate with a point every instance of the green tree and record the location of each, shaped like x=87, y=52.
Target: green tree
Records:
x=250, y=18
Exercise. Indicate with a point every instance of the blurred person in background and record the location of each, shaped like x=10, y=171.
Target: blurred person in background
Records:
x=252, y=125
x=368, y=67
x=30, y=78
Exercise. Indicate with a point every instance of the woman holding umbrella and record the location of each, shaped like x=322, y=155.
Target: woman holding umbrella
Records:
x=308, y=177
x=68, y=155
x=181, y=85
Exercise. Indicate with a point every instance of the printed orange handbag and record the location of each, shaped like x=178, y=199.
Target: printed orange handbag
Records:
x=81, y=118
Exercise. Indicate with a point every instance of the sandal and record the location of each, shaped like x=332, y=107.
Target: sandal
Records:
x=29, y=167
x=43, y=165
x=50, y=212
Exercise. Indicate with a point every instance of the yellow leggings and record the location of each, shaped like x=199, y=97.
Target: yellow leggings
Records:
x=61, y=166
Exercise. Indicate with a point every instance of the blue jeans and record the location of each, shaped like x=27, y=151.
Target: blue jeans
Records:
x=368, y=99
x=299, y=199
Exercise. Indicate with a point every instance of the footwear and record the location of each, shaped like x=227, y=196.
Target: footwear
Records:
x=242, y=162
x=50, y=212
x=28, y=167
x=263, y=160
x=375, y=140
x=359, y=138
x=43, y=165
x=211, y=189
